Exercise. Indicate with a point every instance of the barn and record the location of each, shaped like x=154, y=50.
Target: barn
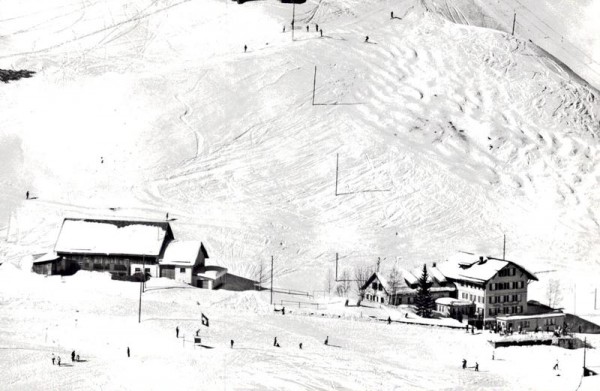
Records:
x=124, y=248
x=116, y=246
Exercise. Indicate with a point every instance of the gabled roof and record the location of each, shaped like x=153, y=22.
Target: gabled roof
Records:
x=184, y=253
x=123, y=237
x=380, y=278
x=469, y=267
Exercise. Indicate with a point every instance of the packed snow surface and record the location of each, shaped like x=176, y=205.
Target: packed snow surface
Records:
x=98, y=319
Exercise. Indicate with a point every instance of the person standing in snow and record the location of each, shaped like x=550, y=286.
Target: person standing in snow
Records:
x=327, y=340
x=275, y=342
x=231, y=344
x=464, y=365
x=316, y=27
x=177, y=331
x=392, y=15
x=307, y=28
x=53, y=358
x=77, y=358
x=556, y=365
x=321, y=31
x=72, y=356
x=493, y=355
x=58, y=360
x=128, y=352
x=284, y=28
x=300, y=345
x=282, y=310
x=245, y=48
x=367, y=39
x=389, y=320
x=27, y=195
x=476, y=367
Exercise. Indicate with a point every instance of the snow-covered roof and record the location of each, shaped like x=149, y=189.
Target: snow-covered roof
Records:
x=211, y=272
x=410, y=278
x=453, y=302
x=437, y=274
x=382, y=280
x=48, y=257
x=181, y=253
x=469, y=267
x=90, y=236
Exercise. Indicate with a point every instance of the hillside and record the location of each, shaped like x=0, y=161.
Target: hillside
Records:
x=448, y=136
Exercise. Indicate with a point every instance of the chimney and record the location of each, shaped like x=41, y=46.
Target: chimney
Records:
x=433, y=264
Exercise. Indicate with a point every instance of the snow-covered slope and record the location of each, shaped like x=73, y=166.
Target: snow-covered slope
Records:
x=448, y=136
x=568, y=30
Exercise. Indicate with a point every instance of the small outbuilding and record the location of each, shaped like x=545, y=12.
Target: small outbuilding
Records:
x=210, y=277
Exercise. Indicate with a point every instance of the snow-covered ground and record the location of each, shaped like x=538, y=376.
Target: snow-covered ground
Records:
x=449, y=136
x=97, y=318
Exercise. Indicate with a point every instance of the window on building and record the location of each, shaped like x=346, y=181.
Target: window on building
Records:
x=182, y=270
x=137, y=270
x=374, y=286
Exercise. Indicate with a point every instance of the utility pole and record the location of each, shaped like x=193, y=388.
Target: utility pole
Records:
x=337, y=158
x=293, y=17
x=140, y=305
x=271, y=280
x=314, y=86
x=584, y=352
x=336, y=266
x=143, y=273
x=595, y=297
x=514, y=22
x=575, y=299
x=504, y=249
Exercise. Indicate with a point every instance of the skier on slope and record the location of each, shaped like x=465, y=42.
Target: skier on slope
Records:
x=177, y=331
x=464, y=363
x=326, y=341
x=275, y=342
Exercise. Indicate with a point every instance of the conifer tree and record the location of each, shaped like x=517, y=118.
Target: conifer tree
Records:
x=424, y=302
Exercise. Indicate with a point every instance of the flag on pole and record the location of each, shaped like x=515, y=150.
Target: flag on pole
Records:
x=204, y=320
